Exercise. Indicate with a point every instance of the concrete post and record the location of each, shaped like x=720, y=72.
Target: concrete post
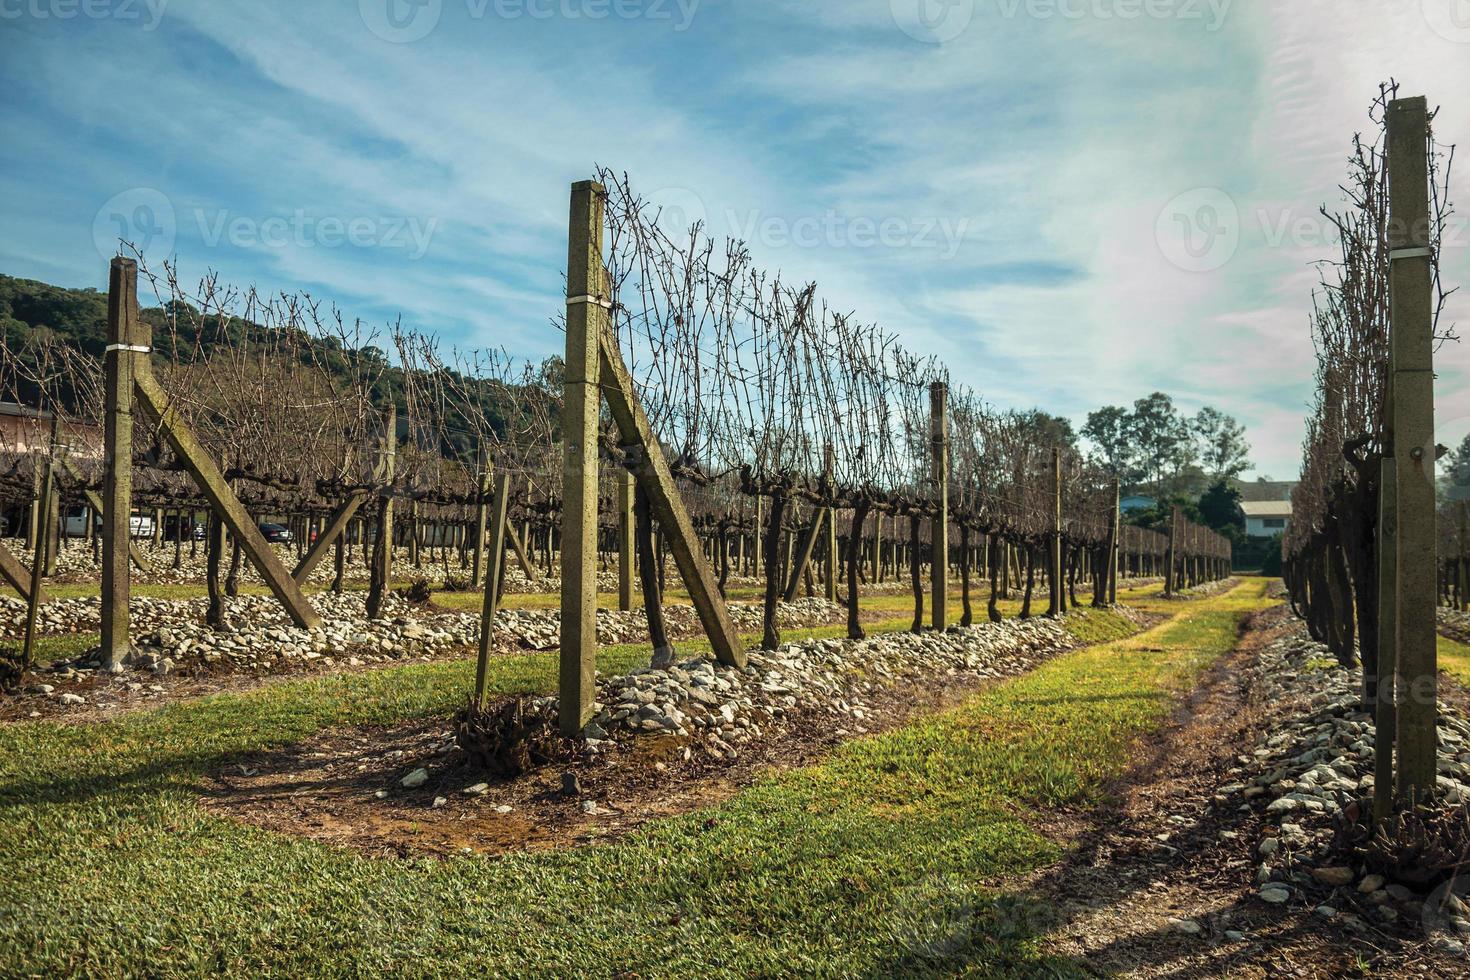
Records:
x=1410, y=337
x=939, y=527
x=1057, y=604
x=119, y=366
x=586, y=296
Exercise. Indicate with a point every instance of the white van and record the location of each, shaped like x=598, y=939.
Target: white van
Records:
x=141, y=525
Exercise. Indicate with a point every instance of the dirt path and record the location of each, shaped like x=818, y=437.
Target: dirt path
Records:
x=1163, y=883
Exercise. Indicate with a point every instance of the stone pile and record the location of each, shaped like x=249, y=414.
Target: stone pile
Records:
x=722, y=709
x=1303, y=772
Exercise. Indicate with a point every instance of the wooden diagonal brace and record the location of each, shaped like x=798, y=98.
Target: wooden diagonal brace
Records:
x=95, y=502
x=16, y=574
x=329, y=534
x=804, y=554
x=646, y=461
x=154, y=402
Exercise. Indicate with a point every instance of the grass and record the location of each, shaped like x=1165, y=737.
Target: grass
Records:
x=1454, y=659
x=891, y=857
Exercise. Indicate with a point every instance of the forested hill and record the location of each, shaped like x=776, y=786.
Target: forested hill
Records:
x=78, y=317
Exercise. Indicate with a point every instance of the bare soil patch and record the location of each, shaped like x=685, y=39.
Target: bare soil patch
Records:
x=1172, y=856
x=327, y=787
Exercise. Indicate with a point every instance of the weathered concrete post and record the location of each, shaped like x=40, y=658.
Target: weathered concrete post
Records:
x=1057, y=604
x=625, y=540
x=1114, y=533
x=1385, y=718
x=1412, y=343
x=585, y=312
x=1170, y=576
x=119, y=366
x=939, y=527
x=482, y=511
x=380, y=577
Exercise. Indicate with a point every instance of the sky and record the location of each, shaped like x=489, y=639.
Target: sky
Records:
x=1073, y=202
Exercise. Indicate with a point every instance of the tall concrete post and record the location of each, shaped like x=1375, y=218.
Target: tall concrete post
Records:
x=1411, y=340
x=1057, y=604
x=586, y=296
x=939, y=527
x=119, y=366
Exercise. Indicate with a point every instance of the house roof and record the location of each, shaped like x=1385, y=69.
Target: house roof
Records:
x=1266, y=508
x=1265, y=490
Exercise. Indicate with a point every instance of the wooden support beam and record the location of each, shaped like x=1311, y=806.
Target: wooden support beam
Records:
x=126, y=353
x=939, y=526
x=335, y=527
x=492, y=582
x=802, y=556
x=38, y=561
x=481, y=518
x=94, y=501
x=652, y=473
x=155, y=404
x=1411, y=312
x=16, y=574
x=518, y=548
x=625, y=541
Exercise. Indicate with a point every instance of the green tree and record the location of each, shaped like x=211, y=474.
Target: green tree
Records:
x=1162, y=440
x=1109, y=429
x=1219, y=506
x=1049, y=430
x=1223, y=447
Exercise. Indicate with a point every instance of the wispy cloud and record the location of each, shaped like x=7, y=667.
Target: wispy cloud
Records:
x=1019, y=171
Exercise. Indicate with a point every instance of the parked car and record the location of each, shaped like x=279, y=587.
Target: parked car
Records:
x=76, y=521
x=276, y=533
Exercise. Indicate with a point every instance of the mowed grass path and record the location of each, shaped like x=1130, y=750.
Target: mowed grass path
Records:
x=892, y=856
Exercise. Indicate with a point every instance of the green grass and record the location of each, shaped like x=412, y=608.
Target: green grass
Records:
x=892, y=857
x=1454, y=659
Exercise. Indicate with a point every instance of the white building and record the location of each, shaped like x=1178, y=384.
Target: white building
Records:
x=1264, y=518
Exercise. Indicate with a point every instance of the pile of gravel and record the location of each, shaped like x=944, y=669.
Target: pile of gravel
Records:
x=722, y=709
x=1303, y=772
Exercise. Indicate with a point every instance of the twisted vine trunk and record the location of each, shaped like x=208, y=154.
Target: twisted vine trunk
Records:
x=770, y=636
x=854, y=566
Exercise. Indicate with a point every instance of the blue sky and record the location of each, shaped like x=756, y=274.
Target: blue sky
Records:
x=1073, y=202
